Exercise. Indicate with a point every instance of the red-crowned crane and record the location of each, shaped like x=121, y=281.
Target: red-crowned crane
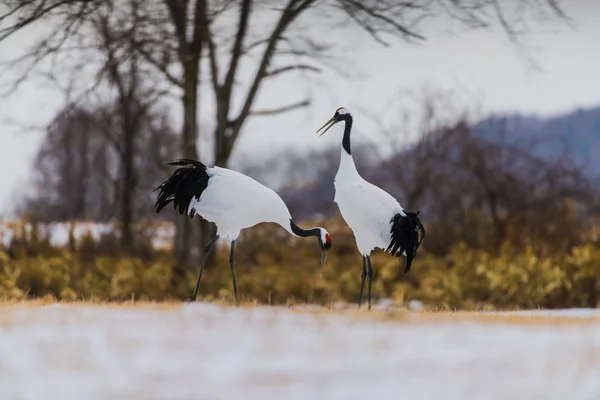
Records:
x=232, y=201
x=375, y=217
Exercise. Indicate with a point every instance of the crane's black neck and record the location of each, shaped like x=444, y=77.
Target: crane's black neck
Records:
x=304, y=232
x=347, y=118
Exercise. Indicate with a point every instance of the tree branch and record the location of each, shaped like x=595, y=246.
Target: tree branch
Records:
x=9, y=13
x=40, y=11
x=160, y=67
x=212, y=52
x=289, y=14
x=179, y=21
x=512, y=33
x=279, y=110
x=354, y=9
x=288, y=68
x=236, y=51
x=52, y=44
x=199, y=20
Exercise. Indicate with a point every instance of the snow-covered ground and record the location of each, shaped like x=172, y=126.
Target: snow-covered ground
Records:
x=205, y=351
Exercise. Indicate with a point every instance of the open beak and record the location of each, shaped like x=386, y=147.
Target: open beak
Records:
x=326, y=127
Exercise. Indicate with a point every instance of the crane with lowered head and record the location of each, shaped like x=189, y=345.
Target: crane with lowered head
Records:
x=233, y=201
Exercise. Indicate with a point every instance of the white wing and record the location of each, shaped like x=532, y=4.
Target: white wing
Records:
x=235, y=201
x=367, y=209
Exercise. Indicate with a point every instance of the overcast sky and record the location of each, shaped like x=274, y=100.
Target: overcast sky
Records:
x=484, y=67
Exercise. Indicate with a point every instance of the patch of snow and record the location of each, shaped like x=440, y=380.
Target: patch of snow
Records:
x=416, y=305
x=206, y=351
x=386, y=303
x=340, y=305
x=58, y=232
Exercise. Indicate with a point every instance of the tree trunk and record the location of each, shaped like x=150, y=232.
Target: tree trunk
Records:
x=223, y=143
x=188, y=238
x=81, y=204
x=127, y=187
x=222, y=150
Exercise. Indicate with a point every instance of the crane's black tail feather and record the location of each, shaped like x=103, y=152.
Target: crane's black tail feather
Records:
x=407, y=234
x=185, y=184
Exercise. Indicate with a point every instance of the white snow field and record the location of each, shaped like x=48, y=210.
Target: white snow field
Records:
x=208, y=351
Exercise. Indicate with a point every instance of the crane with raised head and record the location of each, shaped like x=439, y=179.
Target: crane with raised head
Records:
x=233, y=201
x=375, y=217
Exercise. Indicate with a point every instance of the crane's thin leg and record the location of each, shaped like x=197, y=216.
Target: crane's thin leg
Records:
x=363, y=276
x=232, y=266
x=204, y=258
x=370, y=275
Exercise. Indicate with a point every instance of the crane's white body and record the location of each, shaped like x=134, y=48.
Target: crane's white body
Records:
x=375, y=217
x=366, y=208
x=234, y=201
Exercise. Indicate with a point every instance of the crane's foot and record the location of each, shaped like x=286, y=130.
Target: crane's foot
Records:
x=191, y=299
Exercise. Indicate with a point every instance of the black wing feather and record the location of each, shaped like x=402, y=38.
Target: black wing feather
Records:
x=185, y=183
x=407, y=234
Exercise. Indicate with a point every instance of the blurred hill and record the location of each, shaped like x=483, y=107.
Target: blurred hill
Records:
x=578, y=129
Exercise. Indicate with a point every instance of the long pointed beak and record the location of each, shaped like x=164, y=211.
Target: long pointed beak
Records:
x=323, y=259
x=326, y=127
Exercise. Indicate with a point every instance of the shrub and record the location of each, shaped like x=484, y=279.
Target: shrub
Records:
x=275, y=268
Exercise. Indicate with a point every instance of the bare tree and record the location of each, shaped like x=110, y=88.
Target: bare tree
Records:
x=486, y=185
x=63, y=186
x=136, y=93
x=78, y=173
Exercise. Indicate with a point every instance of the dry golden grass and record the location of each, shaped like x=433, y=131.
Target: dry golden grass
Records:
x=88, y=268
